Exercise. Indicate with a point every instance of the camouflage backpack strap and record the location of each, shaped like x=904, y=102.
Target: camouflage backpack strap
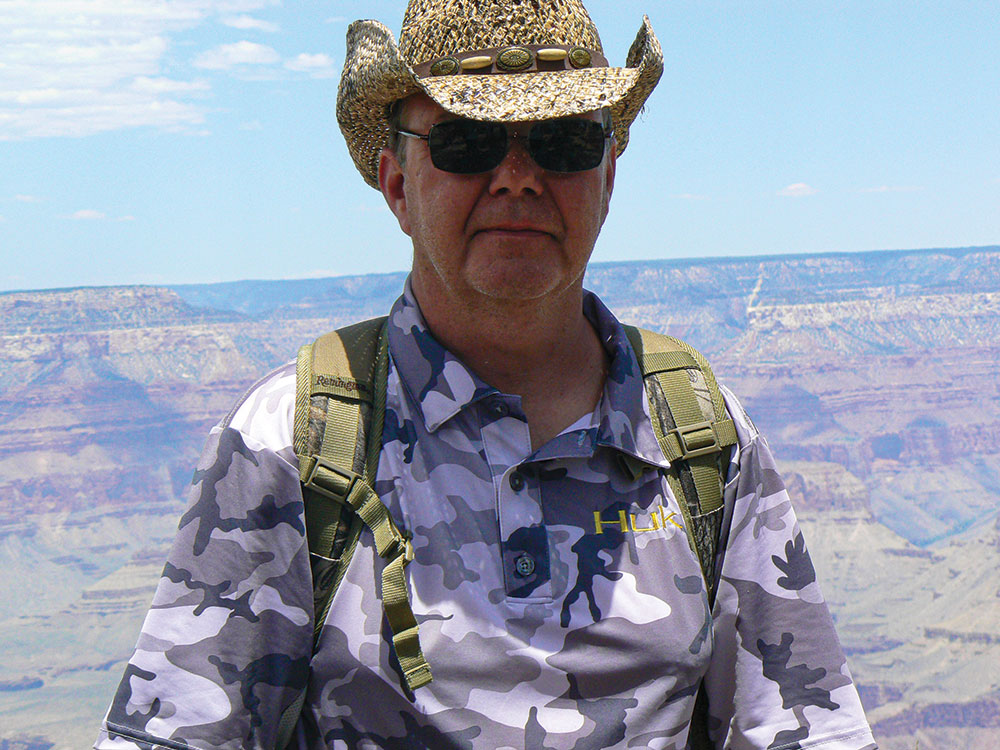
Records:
x=339, y=416
x=695, y=433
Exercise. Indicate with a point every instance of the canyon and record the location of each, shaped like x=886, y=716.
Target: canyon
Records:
x=873, y=376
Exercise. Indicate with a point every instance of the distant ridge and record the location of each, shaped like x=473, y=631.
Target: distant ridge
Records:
x=101, y=308
x=370, y=294
x=259, y=296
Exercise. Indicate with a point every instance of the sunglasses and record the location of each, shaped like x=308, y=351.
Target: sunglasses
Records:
x=475, y=146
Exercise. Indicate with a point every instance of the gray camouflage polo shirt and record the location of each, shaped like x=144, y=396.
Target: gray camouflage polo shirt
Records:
x=560, y=605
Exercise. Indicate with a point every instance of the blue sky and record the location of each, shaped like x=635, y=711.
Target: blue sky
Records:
x=178, y=141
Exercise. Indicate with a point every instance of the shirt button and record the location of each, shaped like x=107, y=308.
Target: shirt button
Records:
x=525, y=565
x=516, y=482
x=498, y=409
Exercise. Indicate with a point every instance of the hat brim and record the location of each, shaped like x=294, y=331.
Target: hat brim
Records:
x=376, y=75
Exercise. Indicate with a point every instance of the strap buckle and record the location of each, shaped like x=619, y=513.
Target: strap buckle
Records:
x=349, y=488
x=697, y=439
x=334, y=482
x=398, y=545
x=407, y=550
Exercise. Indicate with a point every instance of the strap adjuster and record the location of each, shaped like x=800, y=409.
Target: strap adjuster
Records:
x=697, y=439
x=397, y=545
x=334, y=482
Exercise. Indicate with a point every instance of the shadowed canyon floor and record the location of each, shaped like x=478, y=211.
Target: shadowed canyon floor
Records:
x=873, y=376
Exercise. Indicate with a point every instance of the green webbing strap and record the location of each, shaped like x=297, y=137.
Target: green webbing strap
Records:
x=693, y=444
x=371, y=338
x=303, y=382
x=338, y=370
x=693, y=438
x=695, y=441
x=342, y=419
x=350, y=489
x=335, y=380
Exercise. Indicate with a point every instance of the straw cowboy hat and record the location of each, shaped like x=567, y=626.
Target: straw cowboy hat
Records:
x=502, y=60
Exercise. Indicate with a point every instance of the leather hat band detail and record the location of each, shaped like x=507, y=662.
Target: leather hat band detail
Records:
x=529, y=58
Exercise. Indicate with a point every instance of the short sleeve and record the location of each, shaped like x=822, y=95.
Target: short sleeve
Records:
x=226, y=644
x=778, y=679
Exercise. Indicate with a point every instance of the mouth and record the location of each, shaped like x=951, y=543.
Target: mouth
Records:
x=515, y=231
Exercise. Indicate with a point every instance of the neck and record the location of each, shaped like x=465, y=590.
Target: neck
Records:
x=544, y=351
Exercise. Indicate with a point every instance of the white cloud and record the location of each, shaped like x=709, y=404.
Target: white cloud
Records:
x=79, y=67
x=797, y=190
x=247, y=23
x=229, y=56
x=88, y=214
x=27, y=199
x=83, y=113
x=336, y=19
x=318, y=66
x=146, y=85
x=892, y=189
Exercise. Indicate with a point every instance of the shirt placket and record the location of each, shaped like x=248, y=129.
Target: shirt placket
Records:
x=524, y=546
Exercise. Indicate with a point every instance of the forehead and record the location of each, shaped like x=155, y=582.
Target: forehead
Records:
x=421, y=108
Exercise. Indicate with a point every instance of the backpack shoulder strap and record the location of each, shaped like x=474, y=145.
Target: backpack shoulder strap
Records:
x=346, y=372
x=335, y=393
x=695, y=433
x=337, y=437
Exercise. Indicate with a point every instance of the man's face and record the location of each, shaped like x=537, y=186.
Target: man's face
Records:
x=518, y=232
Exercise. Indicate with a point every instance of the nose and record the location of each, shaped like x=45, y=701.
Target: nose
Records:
x=517, y=173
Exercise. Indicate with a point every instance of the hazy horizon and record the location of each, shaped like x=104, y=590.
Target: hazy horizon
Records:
x=679, y=260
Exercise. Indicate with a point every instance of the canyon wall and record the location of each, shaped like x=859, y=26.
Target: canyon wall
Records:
x=873, y=376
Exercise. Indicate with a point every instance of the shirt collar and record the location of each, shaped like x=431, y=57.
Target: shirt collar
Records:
x=442, y=386
x=624, y=411
x=436, y=379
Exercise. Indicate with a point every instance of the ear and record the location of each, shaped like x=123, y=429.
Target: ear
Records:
x=611, y=163
x=390, y=181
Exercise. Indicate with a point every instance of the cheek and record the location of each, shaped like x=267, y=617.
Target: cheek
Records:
x=446, y=210
x=585, y=211
x=436, y=219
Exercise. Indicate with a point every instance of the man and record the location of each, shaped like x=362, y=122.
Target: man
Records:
x=559, y=602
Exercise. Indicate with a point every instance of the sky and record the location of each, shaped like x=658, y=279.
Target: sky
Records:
x=193, y=141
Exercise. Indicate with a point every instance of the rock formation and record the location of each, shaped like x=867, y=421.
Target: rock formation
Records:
x=873, y=376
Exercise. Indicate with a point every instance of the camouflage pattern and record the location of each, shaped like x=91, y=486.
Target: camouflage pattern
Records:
x=560, y=604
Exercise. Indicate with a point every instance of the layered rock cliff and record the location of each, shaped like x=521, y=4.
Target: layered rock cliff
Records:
x=873, y=375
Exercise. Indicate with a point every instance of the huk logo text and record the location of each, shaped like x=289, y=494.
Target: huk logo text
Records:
x=626, y=522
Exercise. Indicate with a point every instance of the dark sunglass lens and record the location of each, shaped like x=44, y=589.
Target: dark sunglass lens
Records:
x=567, y=145
x=467, y=146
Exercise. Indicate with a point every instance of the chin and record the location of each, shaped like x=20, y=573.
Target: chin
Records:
x=520, y=281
